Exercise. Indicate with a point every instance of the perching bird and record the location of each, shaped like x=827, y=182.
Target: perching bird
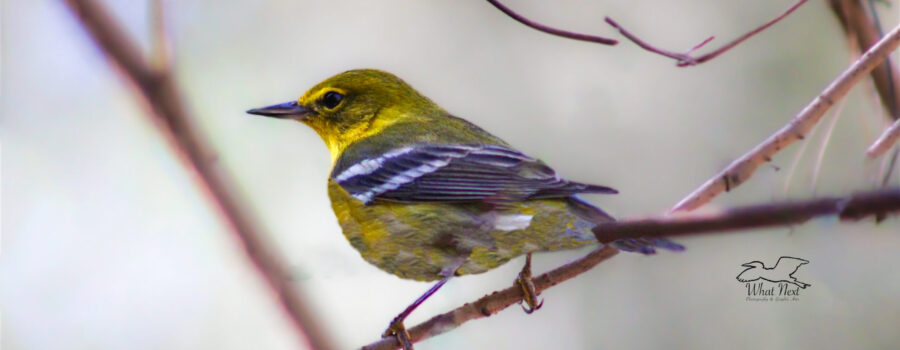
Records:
x=783, y=271
x=425, y=195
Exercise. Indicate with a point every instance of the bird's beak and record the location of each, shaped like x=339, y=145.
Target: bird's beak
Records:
x=287, y=110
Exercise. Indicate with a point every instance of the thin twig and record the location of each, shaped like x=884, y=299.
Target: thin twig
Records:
x=885, y=141
x=875, y=203
x=685, y=59
x=826, y=138
x=890, y=164
x=796, y=162
x=159, y=91
x=743, y=168
x=497, y=301
x=550, y=30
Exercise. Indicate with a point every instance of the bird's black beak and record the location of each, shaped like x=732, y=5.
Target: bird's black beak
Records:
x=287, y=110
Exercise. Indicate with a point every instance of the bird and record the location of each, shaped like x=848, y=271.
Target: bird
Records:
x=783, y=271
x=426, y=195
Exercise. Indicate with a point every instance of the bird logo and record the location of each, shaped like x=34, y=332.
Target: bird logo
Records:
x=783, y=271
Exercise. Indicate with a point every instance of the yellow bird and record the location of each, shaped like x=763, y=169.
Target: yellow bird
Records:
x=425, y=195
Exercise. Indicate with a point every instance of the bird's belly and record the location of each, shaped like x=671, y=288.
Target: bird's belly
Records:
x=421, y=240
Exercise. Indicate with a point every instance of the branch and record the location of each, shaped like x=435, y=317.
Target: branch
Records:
x=158, y=90
x=497, y=301
x=885, y=141
x=854, y=207
x=685, y=59
x=861, y=24
x=550, y=30
x=863, y=28
x=743, y=168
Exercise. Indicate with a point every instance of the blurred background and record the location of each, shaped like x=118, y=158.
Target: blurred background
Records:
x=107, y=244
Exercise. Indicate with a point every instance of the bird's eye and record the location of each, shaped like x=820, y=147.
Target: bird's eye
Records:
x=331, y=99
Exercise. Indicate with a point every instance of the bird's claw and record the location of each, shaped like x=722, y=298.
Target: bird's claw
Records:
x=529, y=309
x=529, y=294
x=398, y=331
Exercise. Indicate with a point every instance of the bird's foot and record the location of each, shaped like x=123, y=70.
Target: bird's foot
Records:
x=530, y=295
x=398, y=331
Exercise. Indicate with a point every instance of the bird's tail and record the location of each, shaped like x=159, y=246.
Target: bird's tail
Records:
x=641, y=245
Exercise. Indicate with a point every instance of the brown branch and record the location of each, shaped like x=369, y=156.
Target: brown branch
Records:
x=863, y=29
x=743, y=168
x=853, y=207
x=685, y=59
x=861, y=25
x=550, y=30
x=158, y=90
x=497, y=301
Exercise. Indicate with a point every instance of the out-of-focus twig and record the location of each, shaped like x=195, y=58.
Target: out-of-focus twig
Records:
x=891, y=163
x=863, y=29
x=792, y=169
x=885, y=141
x=550, y=30
x=743, y=168
x=857, y=206
x=159, y=91
x=497, y=301
x=685, y=59
x=826, y=138
x=861, y=24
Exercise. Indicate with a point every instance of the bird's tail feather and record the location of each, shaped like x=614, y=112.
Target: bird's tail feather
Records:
x=638, y=245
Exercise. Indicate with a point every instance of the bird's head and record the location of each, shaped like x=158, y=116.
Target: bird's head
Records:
x=353, y=105
x=756, y=264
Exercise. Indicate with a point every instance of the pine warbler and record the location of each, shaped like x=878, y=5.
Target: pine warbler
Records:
x=425, y=195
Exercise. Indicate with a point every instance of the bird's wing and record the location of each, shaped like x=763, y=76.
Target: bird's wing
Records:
x=455, y=173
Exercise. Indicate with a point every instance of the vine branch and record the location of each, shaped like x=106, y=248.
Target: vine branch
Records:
x=551, y=30
x=743, y=168
x=157, y=88
x=685, y=59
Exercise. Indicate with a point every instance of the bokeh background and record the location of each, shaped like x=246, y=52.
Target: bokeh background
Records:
x=107, y=244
